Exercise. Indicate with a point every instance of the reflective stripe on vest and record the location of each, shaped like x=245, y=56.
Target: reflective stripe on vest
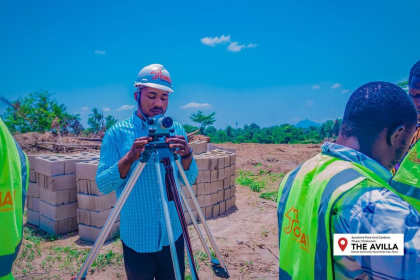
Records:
x=322, y=256
x=14, y=176
x=306, y=199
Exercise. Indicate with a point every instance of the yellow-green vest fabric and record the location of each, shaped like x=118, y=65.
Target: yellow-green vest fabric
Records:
x=307, y=195
x=406, y=182
x=14, y=177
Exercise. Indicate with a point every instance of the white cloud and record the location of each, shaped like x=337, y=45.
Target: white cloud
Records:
x=84, y=108
x=234, y=47
x=345, y=91
x=99, y=52
x=126, y=107
x=309, y=103
x=106, y=109
x=196, y=105
x=336, y=85
x=213, y=41
x=316, y=87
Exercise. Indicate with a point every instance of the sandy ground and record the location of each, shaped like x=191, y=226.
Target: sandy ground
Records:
x=246, y=235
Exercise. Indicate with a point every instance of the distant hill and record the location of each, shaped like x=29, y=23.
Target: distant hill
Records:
x=306, y=123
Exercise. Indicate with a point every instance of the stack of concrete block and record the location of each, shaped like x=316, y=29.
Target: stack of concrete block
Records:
x=94, y=207
x=199, y=147
x=215, y=184
x=56, y=178
x=32, y=194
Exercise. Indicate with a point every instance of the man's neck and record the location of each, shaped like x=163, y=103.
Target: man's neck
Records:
x=139, y=114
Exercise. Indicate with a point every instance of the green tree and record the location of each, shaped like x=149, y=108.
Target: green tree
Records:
x=229, y=133
x=189, y=128
x=36, y=113
x=404, y=85
x=110, y=121
x=203, y=120
x=96, y=121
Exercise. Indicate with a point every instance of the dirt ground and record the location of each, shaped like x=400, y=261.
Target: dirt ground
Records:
x=246, y=235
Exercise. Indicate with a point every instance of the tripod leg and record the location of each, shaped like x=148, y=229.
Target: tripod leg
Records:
x=195, y=223
x=190, y=262
x=110, y=221
x=200, y=213
x=168, y=222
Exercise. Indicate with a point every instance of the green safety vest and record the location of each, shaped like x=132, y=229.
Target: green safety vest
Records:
x=14, y=177
x=406, y=181
x=306, y=198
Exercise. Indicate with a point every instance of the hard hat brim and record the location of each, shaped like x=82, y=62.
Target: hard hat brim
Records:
x=152, y=85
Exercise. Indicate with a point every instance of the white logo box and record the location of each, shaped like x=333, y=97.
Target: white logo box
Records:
x=369, y=244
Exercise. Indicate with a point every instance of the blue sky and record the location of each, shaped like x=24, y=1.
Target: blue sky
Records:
x=277, y=62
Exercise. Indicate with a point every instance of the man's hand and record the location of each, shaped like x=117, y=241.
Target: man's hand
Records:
x=178, y=141
x=137, y=148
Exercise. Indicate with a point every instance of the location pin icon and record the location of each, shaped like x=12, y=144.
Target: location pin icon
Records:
x=342, y=242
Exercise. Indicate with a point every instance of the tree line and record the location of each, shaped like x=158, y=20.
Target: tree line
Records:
x=253, y=133
x=39, y=112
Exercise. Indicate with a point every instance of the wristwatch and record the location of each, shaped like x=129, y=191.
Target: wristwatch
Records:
x=189, y=155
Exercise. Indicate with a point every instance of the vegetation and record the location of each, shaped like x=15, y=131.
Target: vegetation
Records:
x=203, y=120
x=257, y=181
x=41, y=258
x=279, y=134
x=39, y=112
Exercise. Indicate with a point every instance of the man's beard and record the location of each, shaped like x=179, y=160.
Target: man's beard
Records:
x=399, y=154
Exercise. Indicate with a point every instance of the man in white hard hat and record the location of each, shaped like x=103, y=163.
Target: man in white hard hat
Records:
x=142, y=226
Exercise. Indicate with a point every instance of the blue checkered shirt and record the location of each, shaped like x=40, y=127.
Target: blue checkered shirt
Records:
x=379, y=211
x=142, y=225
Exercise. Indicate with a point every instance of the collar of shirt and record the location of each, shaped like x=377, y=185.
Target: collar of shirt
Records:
x=348, y=154
x=137, y=121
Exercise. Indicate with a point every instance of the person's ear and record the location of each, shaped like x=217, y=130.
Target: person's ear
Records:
x=135, y=95
x=397, y=133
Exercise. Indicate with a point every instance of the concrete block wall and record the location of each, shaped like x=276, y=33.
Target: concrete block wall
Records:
x=93, y=207
x=52, y=198
x=214, y=187
x=32, y=194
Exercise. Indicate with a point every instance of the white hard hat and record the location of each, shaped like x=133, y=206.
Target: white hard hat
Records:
x=154, y=76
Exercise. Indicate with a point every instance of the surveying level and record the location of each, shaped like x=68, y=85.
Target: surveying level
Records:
x=158, y=149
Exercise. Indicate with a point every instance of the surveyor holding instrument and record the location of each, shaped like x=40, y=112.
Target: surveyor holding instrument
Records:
x=142, y=225
x=345, y=190
x=14, y=177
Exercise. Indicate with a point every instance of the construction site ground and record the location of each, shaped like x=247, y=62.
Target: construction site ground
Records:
x=246, y=235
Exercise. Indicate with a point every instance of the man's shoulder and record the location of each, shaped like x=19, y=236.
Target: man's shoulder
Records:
x=178, y=127
x=369, y=199
x=119, y=126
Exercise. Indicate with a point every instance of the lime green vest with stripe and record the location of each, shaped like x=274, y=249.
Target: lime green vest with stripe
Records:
x=14, y=177
x=406, y=181
x=306, y=198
